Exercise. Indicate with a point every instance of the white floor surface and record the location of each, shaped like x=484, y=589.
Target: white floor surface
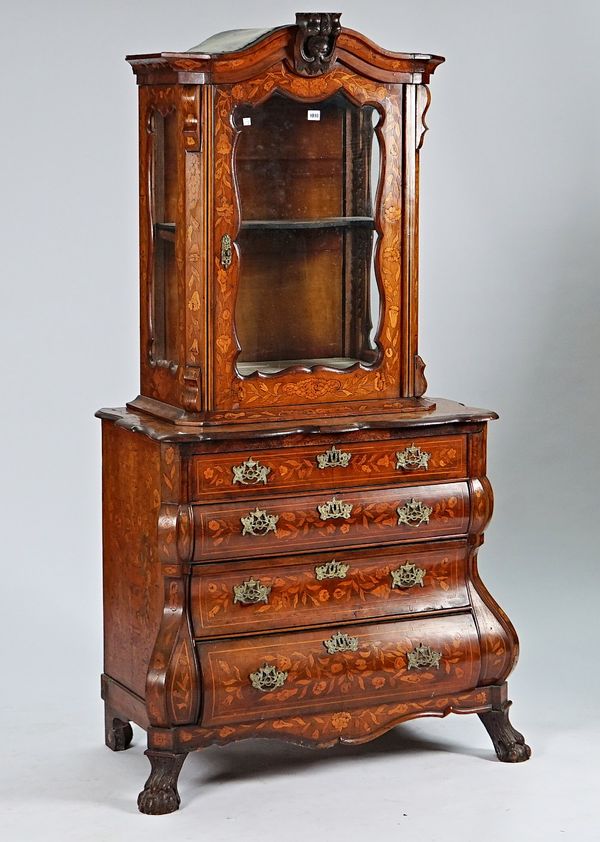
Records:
x=427, y=780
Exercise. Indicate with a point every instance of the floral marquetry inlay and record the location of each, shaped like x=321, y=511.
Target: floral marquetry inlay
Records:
x=333, y=589
x=381, y=380
x=356, y=725
x=377, y=661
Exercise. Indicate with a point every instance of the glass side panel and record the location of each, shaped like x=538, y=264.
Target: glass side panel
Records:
x=307, y=177
x=165, y=293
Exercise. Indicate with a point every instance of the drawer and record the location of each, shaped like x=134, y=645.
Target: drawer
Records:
x=249, y=597
x=280, y=526
x=278, y=675
x=310, y=468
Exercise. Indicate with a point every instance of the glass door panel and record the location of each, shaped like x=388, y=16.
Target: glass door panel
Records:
x=164, y=291
x=307, y=176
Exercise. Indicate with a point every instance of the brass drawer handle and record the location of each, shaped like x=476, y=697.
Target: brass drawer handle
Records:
x=259, y=522
x=251, y=592
x=333, y=458
x=423, y=657
x=412, y=457
x=413, y=513
x=250, y=472
x=335, y=509
x=268, y=678
x=226, y=251
x=407, y=576
x=340, y=642
x=331, y=570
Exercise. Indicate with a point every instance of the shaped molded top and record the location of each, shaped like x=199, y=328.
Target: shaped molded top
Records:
x=311, y=47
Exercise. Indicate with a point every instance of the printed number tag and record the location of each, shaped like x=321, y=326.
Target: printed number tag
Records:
x=314, y=115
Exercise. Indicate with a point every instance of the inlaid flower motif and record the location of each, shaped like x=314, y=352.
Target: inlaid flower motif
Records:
x=341, y=720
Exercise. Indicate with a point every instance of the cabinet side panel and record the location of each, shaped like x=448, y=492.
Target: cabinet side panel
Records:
x=132, y=585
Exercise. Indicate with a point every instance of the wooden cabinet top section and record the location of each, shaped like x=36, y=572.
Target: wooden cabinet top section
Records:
x=311, y=47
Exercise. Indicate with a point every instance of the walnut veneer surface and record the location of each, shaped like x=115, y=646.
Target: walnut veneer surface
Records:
x=290, y=549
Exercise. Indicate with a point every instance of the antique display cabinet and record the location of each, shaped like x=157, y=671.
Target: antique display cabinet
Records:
x=290, y=526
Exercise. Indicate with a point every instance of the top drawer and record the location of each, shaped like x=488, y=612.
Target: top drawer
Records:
x=372, y=463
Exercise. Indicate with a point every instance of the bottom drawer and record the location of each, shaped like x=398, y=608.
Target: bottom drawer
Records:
x=263, y=677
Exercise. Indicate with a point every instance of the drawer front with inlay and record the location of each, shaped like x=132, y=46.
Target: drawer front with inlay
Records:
x=381, y=516
x=321, y=669
x=246, y=597
x=222, y=475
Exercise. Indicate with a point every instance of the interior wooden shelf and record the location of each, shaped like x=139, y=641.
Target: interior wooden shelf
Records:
x=325, y=222
x=273, y=366
x=165, y=230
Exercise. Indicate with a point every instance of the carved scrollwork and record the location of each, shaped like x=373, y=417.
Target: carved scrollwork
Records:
x=340, y=642
x=333, y=458
x=414, y=513
x=420, y=379
x=335, y=508
x=259, y=522
x=250, y=472
x=412, y=457
x=423, y=657
x=251, y=591
x=407, y=576
x=268, y=678
x=314, y=48
x=331, y=570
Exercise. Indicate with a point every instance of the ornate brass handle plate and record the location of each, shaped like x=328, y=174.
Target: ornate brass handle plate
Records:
x=412, y=457
x=250, y=472
x=335, y=509
x=268, y=678
x=226, y=251
x=331, y=570
x=333, y=458
x=251, y=591
x=259, y=522
x=340, y=642
x=407, y=576
x=423, y=657
x=413, y=513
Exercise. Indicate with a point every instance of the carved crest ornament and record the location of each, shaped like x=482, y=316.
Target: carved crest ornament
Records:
x=314, y=48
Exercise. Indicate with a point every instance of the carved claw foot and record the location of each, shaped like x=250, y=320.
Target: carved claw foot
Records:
x=510, y=745
x=160, y=795
x=118, y=733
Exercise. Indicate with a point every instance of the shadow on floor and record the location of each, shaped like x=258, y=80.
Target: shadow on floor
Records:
x=268, y=757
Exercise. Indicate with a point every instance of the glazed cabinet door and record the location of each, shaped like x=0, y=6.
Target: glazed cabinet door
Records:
x=306, y=252
x=172, y=222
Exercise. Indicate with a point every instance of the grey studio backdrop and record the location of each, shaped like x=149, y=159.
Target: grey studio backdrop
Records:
x=510, y=295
